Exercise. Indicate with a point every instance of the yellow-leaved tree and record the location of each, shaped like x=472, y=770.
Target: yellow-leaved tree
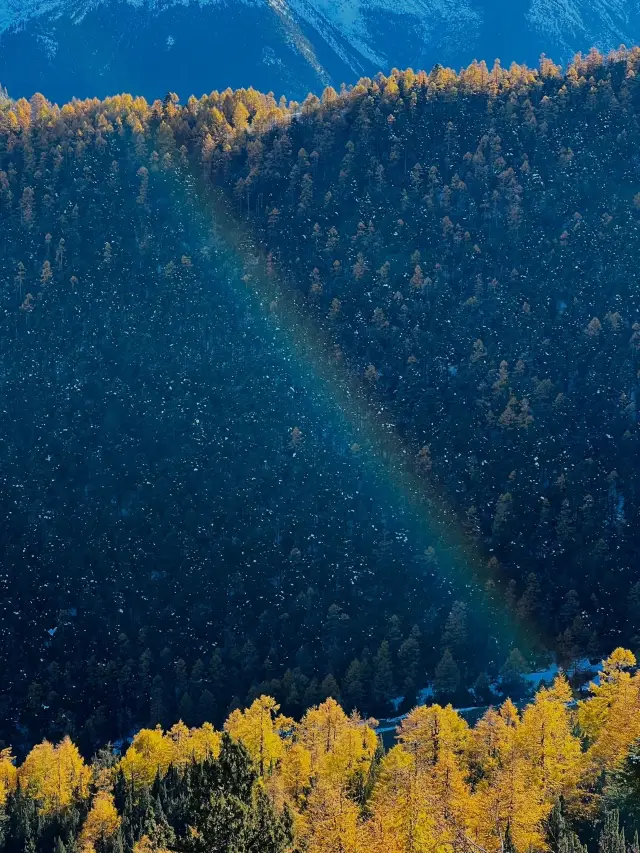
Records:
x=55, y=776
x=401, y=817
x=294, y=774
x=340, y=747
x=341, y=750
x=150, y=753
x=153, y=751
x=508, y=800
x=145, y=845
x=491, y=740
x=610, y=718
x=101, y=824
x=546, y=740
x=435, y=741
x=320, y=728
x=613, y=682
x=195, y=744
x=429, y=732
x=8, y=774
x=258, y=728
x=330, y=821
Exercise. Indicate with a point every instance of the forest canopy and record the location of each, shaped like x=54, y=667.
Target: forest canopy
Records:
x=522, y=780
x=190, y=519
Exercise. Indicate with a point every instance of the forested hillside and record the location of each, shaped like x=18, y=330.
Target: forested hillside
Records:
x=193, y=511
x=549, y=778
x=471, y=241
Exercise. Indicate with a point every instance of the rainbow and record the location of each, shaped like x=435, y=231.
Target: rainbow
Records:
x=368, y=425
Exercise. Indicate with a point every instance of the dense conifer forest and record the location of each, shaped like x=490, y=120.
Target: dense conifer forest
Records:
x=194, y=295
x=557, y=776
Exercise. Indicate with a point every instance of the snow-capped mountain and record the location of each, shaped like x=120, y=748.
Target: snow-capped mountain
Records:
x=83, y=48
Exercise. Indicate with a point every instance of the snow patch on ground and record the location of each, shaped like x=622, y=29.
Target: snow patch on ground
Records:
x=547, y=675
x=583, y=666
x=424, y=694
x=534, y=679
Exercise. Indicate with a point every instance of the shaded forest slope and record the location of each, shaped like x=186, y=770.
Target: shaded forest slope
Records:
x=472, y=242
x=186, y=521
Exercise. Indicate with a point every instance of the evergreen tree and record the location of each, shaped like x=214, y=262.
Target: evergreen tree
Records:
x=560, y=837
x=353, y=688
x=206, y=710
x=511, y=675
x=622, y=791
x=447, y=677
x=409, y=663
x=267, y=832
x=329, y=687
x=221, y=827
x=455, y=635
x=383, y=686
x=611, y=838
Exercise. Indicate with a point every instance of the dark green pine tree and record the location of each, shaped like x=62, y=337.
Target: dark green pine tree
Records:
x=623, y=788
x=361, y=784
x=144, y=816
x=456, y=633
x=21, y=824
x=157, y=712
x=162, y=834
x=482, y=688
x=329, y=688
x=206, y=708
x=570, y=843
x=222, y=826
x=123, y=794
x=353, y=689
x=447, y=677
x=383, y=686
x=409, y=661
x=267, y=832
x=185, y=709
x=511, y=675
x=611, y=838
x=559, y=835
x=236, y=771
x=118, y=842
x=174, y=792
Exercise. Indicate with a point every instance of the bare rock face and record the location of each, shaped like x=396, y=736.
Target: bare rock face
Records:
x=88, y=48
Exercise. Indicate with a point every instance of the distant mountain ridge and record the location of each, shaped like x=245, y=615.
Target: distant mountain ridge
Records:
x=83, y=48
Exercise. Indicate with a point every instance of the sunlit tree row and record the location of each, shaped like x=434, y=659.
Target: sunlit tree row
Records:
x=443, y=786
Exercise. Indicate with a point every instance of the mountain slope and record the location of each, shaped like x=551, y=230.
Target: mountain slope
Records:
x=472, y=240
x=89, y=48
x=286, y=389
